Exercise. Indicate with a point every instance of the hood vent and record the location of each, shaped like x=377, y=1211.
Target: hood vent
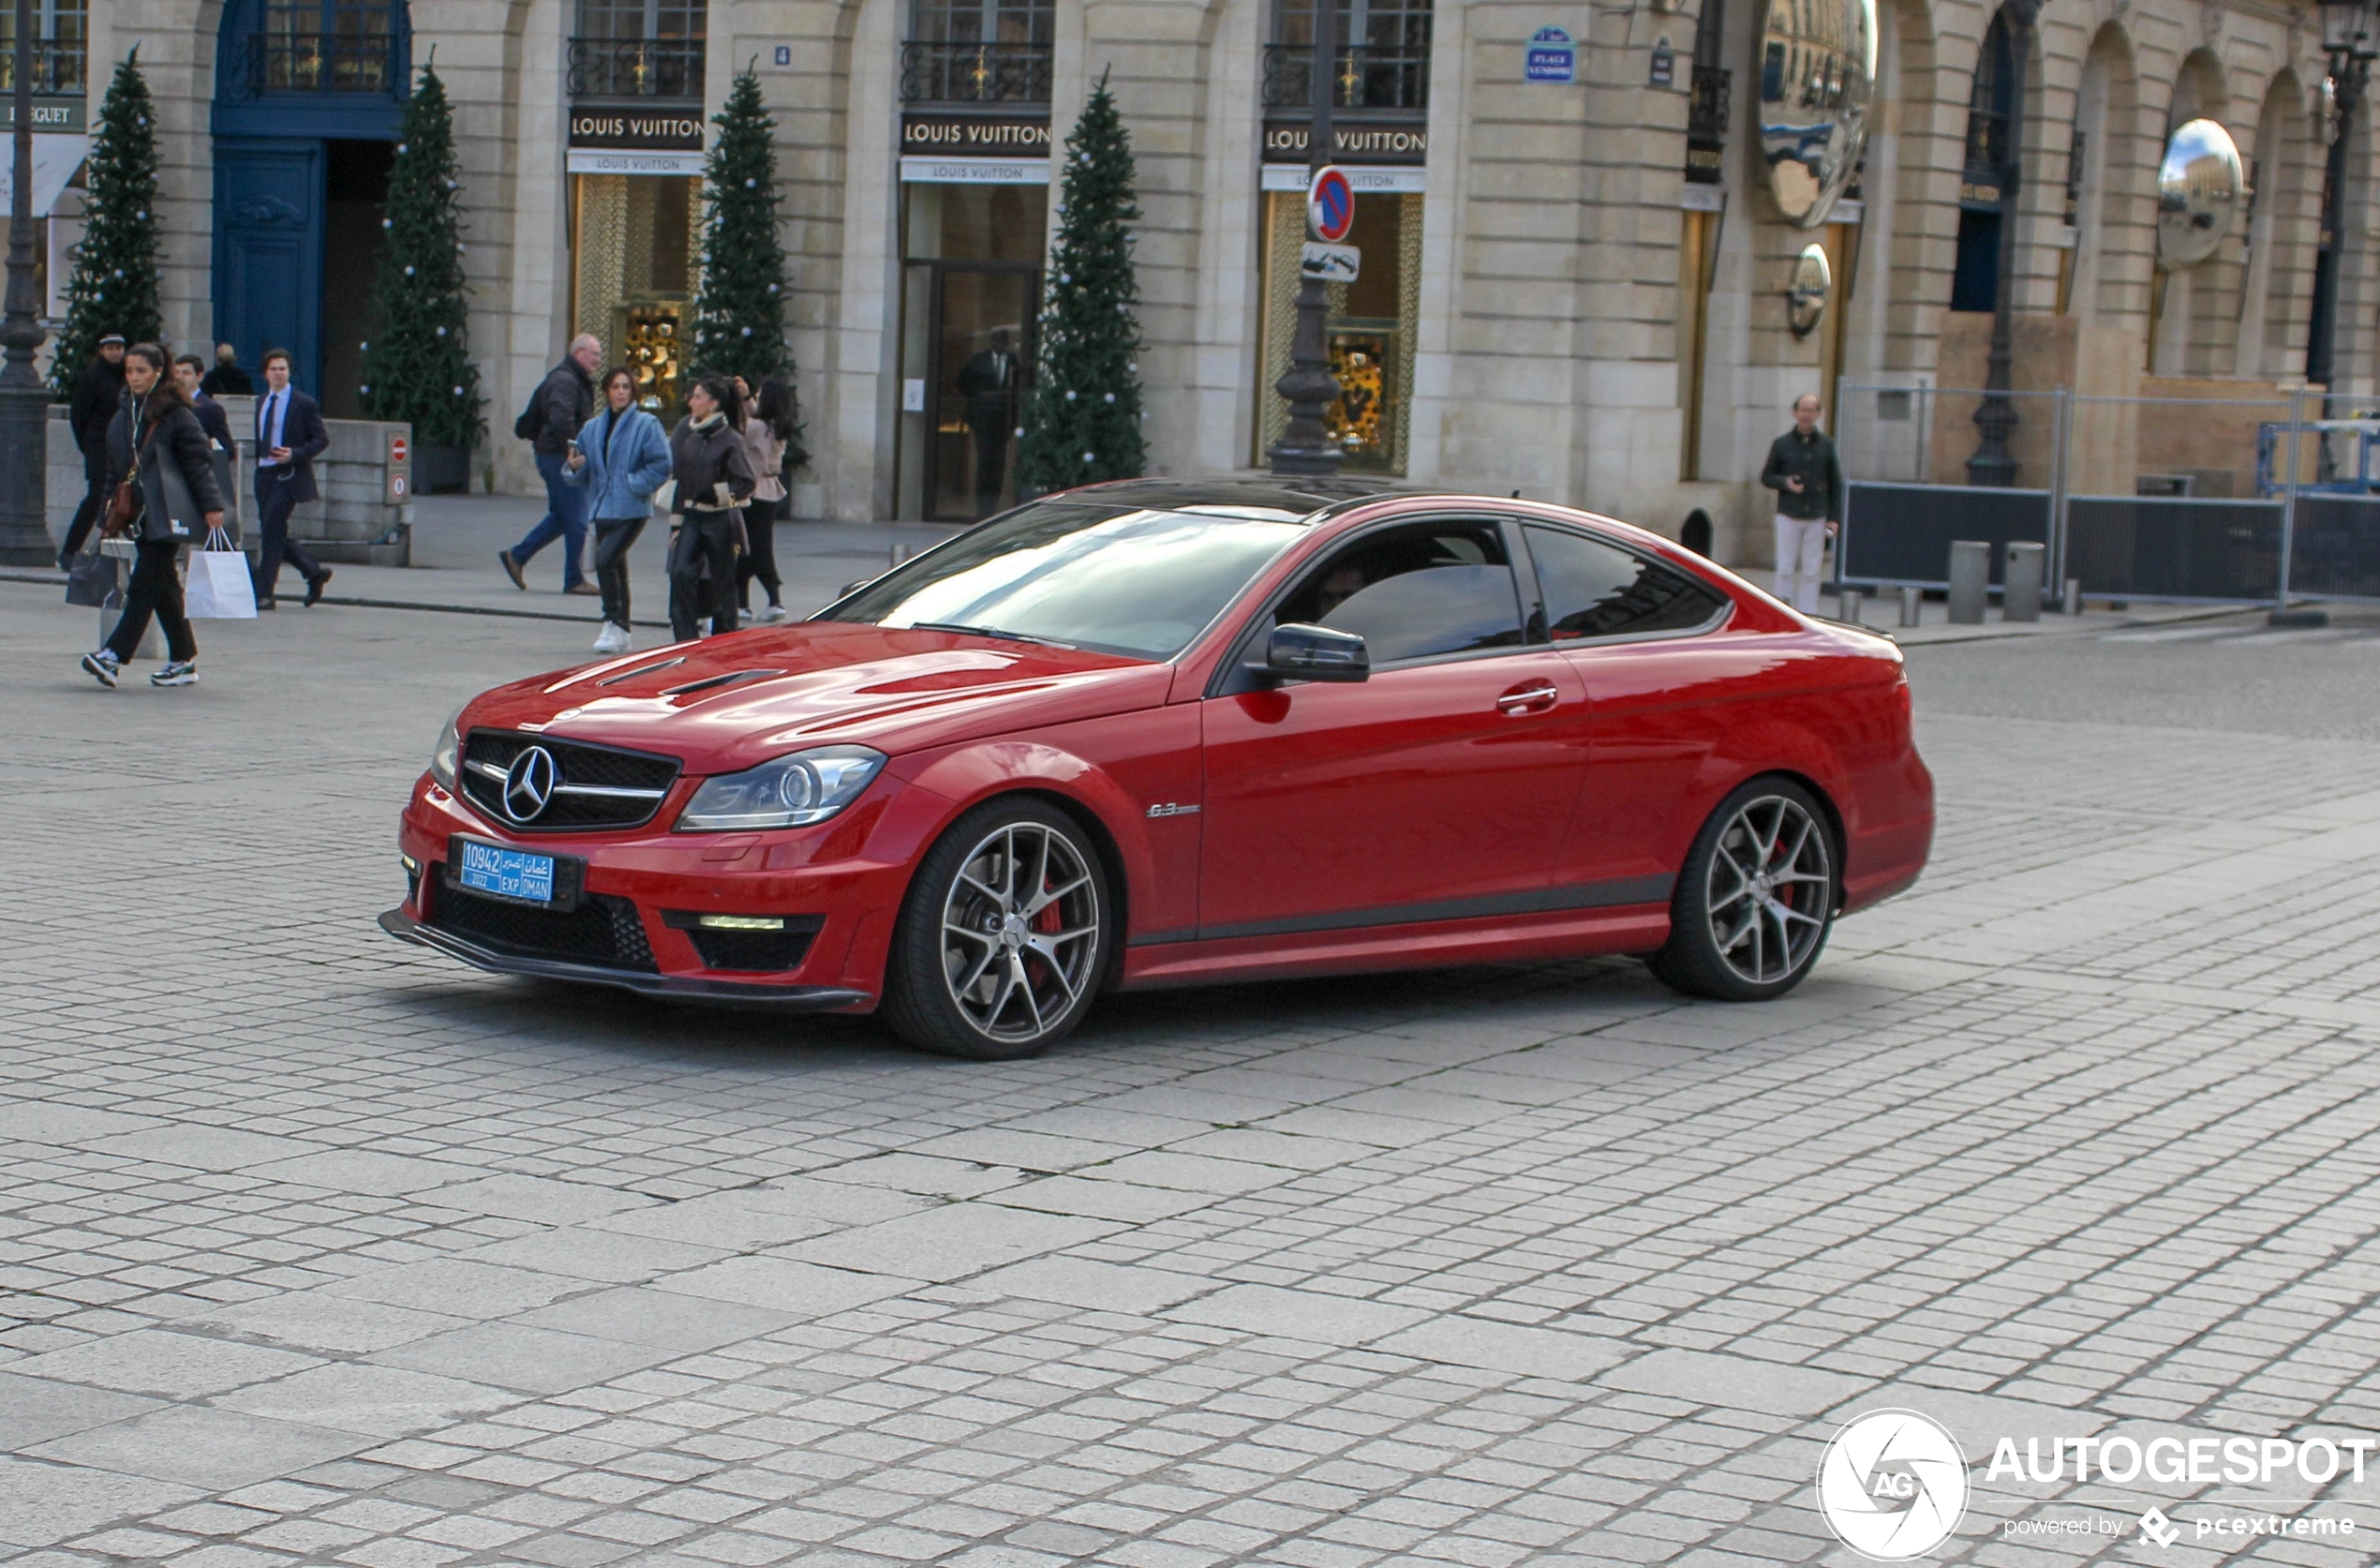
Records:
x=714, y=681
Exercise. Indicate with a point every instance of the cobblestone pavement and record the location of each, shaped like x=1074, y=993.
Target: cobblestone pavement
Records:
x=318, y=1249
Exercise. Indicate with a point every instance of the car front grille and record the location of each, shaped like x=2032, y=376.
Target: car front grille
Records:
x=603, y=929
x=592, y=787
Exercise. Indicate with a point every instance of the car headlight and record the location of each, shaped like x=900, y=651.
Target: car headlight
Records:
x=791, y=792
x=449, y=745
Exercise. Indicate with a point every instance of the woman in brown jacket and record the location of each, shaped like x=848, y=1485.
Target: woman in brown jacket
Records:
x=714, y=479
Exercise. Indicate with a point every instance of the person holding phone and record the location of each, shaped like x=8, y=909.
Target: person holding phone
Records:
x=620, y=460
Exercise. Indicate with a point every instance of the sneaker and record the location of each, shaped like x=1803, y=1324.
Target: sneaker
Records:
x=512, y=569
x=103, y=667
x=181, y=672
x=612, y=638
x=774, y=613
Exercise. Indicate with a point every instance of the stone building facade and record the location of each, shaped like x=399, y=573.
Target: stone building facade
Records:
x=1542, y=258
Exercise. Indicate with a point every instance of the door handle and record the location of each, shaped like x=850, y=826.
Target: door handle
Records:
x=1528, y=699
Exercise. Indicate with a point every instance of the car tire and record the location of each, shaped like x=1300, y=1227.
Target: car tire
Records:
x=1004, y=937
x=1756, y=897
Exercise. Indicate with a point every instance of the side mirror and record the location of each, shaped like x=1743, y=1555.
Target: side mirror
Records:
x=1316, y=653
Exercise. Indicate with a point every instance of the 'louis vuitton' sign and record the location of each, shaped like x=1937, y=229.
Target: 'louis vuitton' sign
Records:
x=973, y=136
x=634, y=132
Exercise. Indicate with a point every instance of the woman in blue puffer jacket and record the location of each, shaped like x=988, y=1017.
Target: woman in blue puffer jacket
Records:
x=621, y=456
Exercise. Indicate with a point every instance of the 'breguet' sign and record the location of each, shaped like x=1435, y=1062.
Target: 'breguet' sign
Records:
x=637, y=132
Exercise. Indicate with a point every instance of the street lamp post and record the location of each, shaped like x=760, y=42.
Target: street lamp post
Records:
x=1305, y=446
x=1993, y=463
x=24, y=403
x=2347, y=38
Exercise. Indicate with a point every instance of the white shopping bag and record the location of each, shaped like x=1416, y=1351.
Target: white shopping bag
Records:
x=219, y=586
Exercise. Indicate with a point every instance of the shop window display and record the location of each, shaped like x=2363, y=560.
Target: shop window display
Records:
x=635, y=253
x=1370, y=333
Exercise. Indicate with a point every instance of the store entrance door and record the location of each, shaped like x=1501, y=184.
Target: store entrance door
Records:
x=982, y=342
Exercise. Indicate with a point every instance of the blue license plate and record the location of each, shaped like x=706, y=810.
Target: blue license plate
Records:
x=487, y=867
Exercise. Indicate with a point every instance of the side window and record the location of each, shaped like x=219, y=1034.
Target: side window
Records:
x=1414, y=592
x=1594, y=590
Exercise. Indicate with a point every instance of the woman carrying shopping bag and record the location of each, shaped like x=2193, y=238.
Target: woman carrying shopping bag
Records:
x=621, y=458
x=161, y=494
x=766, y=434
x=714, y=479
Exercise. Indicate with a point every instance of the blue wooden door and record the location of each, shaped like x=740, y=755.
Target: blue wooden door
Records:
x=268, y=250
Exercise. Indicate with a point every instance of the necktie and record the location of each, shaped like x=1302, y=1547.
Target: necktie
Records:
x=266, y=435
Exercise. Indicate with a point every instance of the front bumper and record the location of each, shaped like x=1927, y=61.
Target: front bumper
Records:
x=683, y=988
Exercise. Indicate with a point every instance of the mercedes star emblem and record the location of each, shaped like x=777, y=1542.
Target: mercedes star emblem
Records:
x=528, y=783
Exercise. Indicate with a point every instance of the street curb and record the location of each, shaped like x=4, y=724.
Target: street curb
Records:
x=58, y=581
x=2213, y=612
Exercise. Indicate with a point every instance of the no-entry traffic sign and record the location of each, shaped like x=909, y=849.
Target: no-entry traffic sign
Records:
x=1330, y=205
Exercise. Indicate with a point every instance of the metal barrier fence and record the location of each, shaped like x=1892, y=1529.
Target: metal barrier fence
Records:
x=2220, y=501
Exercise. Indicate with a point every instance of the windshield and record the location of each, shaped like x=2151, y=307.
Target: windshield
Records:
x=1130, y=581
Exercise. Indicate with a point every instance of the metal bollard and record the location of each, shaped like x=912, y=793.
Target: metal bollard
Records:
x=2069, y=602
x=1970, y=580
x=2020, y=597
x=1848, y=602
x=1912, y=606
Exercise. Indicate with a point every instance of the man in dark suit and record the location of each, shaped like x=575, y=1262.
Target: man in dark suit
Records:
x=290, y=435
x=190, y=371
x=989, y=382
x=97, y=392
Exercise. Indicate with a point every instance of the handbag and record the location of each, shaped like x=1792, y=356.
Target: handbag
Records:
x=124, y=502
x=219, y=587
x=91, y=580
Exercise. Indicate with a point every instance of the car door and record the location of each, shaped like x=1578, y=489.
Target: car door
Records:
x=1437, y=789
x=1640, y=635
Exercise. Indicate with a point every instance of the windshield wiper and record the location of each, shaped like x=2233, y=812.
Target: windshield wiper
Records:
x=985, y=631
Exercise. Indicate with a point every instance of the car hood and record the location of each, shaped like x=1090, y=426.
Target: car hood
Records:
x=731, y=702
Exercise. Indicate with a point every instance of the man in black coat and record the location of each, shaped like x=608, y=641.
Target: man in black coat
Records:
x=189, y=373
x=227, y=380
x=565, y=402
x=1808, y=477
x=97, y=394
x=290, y=435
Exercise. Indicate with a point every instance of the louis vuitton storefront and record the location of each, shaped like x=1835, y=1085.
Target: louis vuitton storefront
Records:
x=1380, y=137
x=975, y=206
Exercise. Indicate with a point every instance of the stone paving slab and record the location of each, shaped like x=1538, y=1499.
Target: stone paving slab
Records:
x=317, y=1249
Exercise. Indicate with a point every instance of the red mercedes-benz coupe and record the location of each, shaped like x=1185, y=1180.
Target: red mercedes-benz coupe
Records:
x=1160, y=732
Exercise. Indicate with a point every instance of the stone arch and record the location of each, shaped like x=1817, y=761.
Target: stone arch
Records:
x=2197, y=328
x=2102, y=101
x=2283, y=233
x=2123, y=238
x=1912, y=188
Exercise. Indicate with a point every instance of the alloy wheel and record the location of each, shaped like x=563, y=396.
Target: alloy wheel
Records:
x=1020, y=931
x=1770, y=884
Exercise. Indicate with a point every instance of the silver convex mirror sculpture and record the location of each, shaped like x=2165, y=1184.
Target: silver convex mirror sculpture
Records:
x=2200, y=190
x=1813, y=286
x=1818, y=74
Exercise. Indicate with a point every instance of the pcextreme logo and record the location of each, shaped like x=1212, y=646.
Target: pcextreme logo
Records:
x=1892, y=1485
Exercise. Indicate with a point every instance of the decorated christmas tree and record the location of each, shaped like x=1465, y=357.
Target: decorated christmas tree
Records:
x=739, y=311
x=114, y=285
x=1082, y=420
x=417, y=364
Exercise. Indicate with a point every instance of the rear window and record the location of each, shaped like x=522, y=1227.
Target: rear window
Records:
x=1594, y=589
